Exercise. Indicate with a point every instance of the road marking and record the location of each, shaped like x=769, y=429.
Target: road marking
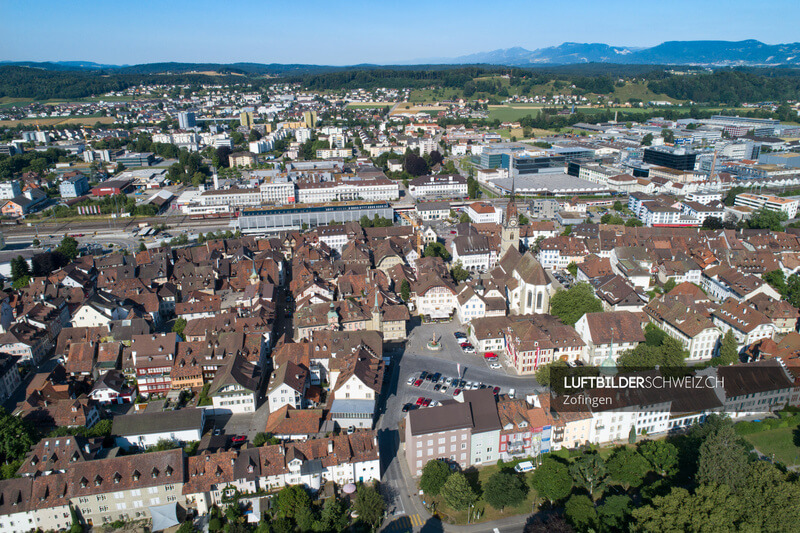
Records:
x=416, y=520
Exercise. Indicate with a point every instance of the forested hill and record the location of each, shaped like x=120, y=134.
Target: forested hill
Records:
x=729, y=86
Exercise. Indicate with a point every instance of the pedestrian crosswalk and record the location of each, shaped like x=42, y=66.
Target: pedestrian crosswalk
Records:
x=405, y=523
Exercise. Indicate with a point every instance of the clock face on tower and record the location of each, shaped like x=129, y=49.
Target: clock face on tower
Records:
x=512, y=222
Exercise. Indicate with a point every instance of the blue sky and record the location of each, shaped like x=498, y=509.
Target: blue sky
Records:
x=348, y=32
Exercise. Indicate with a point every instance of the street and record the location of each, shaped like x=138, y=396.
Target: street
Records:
x=405, y=511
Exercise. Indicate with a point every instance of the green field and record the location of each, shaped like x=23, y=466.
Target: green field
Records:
x=640, y=91
x=372, y=105
x=779, y=442
x=434, y=95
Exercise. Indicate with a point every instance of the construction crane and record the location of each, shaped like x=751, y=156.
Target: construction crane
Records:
x=412, y=221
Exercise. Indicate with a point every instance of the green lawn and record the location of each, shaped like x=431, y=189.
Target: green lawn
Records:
x=640, y=91
x=487, y=512
x=779, y=442
x=434, y=95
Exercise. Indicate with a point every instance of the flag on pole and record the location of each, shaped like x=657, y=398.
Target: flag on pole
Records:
x=459, y=370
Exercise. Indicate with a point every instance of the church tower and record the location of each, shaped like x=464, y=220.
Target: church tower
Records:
x=509, y=236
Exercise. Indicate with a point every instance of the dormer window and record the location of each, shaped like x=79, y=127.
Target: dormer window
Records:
x=117, y=477
x=84, y=482
x=97, y=481
x=154, y=473
x=168, y=471
x=136, y=475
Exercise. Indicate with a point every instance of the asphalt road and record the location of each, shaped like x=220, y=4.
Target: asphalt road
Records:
x=404, y=506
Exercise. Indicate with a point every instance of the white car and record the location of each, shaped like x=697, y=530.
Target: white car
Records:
x=469, y=350
x=448, y=381
x=443, y=389
x=411, y=380
x=495, y=366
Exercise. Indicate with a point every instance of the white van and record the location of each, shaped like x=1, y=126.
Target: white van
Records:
x=525, y=466
x=512, y=393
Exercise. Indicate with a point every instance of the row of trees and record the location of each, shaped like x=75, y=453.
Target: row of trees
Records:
x=504, y=488
x=705, y=480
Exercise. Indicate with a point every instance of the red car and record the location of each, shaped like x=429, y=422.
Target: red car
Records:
x=456, y=392
x=420, y=400
x=239, y=438
x=418, y=383
x=496, y=391
x=426, y=403
x=465, y=344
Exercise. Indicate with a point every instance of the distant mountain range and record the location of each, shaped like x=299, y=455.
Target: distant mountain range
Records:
x=706, y=53
x=701, y=53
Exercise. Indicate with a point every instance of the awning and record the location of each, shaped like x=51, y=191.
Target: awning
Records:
x=164, y=516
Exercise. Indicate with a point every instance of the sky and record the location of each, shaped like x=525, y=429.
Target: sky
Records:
x=348, y=32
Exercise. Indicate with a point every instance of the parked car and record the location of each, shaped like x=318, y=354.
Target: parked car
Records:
x=436, y=377
x=238, y=439
x=407, y=407
x=411, y=380
x=418, y=383
x=443, y=389
x=426, y=402
x=423, y=375
x=525, y=466
x=495, y=366
x=490, y=355
x=437, y=387
x=456, y=392
x=496, y=391
x=420, y=400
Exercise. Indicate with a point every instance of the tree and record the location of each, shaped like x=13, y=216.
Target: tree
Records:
x=68, y=247
x=653, y=335
x=464, y=218
x=662, y=456
x=504, y=489
x=19, y=268
x=647, y=140
x=334, y=516
x=765, y=219
x=615, y=512
x=45, y=263
x=571, y=304
x=580, y=512
x=459, y=273
x=627, y=466
x=668, y=135
x=405, y=290
x=414, y=164
x=547, y=524
x=552, y=479
x=457, y=492
x=728, y=349
x=369, y=505
x=634, y=223
x=179, y=326
x=522, y=220
x=544, y=372
x=770, y=499
x=589, y=471
x=723, y=459
x=669, y=285
x=291, y=499
x=263, y=438
x=572, y=268
x=710, y=508
x=618, y=206
x=776, y=278
x=434, y=476
x=305, y=517
x=436, y=249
